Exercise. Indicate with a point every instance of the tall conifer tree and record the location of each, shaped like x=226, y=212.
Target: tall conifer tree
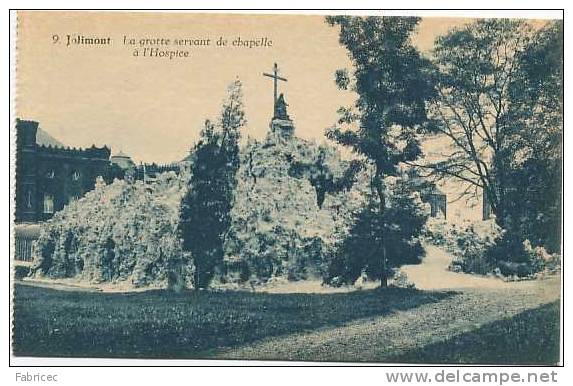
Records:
x=205, y=210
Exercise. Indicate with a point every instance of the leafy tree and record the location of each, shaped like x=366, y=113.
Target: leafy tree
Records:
x=322, y=178
x=539, y=84
x=205, y=209
x=533, y=202
x=500, y=105
x=477, y=63
x=393, y=83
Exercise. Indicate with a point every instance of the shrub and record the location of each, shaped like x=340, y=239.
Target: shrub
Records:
x=21, y=271
x=436, y=231
x=401, y=280
x=397, y=231
x=469, y=244
x=308, y=260
x=550, y=262
x=516, y=258
x=484, y=248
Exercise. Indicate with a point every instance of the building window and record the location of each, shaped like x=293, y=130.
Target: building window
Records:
x=76, y=175
x=50, y=174
x=48, y=204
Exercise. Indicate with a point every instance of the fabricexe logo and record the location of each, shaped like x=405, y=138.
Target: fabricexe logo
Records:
x=27, y=377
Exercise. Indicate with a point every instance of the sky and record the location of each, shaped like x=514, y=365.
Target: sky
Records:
x=153, y=108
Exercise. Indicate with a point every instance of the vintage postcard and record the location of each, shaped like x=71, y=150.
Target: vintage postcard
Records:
x=381, y=188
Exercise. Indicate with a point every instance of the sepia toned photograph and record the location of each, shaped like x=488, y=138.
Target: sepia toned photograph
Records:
x=343, y=188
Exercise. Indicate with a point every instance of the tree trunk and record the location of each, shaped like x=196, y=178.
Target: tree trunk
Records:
x=383, y=262
x=196, y=279
x=383, y=277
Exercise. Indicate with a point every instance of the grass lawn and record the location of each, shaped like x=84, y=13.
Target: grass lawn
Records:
x=158, y=324
x=530, y=337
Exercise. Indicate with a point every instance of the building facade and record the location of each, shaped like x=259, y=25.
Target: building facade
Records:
x=437, y=200
x=50, y=176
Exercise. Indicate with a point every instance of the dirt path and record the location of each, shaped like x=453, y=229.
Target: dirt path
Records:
x=479, y=301
x=433, y=274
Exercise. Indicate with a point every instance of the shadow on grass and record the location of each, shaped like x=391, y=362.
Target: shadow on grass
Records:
x=159, y=324
x=528, y=338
